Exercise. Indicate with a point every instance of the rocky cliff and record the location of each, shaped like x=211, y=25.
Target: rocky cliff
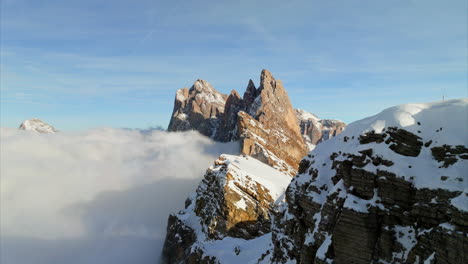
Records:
x=199, y=108
x=231, y=205
x=392, y=188
x=263, y=120
x=316, y=130
x=38, y=126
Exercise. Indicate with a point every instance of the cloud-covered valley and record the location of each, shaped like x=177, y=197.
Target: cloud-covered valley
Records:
x=98, y=196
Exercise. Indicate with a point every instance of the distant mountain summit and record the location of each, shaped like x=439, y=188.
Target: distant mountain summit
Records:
x=263, y=120
x=316, y=130
x=38, y=126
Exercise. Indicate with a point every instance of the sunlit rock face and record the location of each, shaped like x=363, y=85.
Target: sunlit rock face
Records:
x=263, y=120
x=199, y=108
x=233, y=203
x=38, y=126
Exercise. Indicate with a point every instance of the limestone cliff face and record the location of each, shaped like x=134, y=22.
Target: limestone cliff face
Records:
x=235, y=201
x=316, y=130
x=390, y=189
x=199, y=108
x=268, y=127
x=263, y=120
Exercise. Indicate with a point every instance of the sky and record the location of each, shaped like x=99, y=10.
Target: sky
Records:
x=95, y=63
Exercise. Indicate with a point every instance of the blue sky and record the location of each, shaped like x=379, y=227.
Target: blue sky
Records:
x=92, y=63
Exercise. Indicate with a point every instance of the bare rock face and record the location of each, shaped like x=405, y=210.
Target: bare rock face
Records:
x=268, y=128
x=270, y=146
x=199, y=108
x=38, y=126
x=381, y=194
x=316, y=130
x=235, y=200
x=263, y=120
x=390, y=189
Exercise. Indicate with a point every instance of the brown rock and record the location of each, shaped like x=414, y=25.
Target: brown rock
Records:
x=199, y=108
x=316, y=130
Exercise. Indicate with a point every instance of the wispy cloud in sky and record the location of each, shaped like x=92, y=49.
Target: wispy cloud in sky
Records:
x=95, y=56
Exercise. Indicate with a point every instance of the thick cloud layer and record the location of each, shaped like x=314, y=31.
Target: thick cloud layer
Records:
x=101, y=196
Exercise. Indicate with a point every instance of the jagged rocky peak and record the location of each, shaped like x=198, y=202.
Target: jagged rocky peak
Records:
x=37, y=125
x=272, y=133
x=198, y=108
x=315, y=130
x=268, y=127
x=272, y=106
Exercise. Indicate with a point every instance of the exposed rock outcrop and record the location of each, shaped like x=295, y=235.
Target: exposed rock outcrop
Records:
x=199, y=108
x=38, y=126
x=390, y=189
x=377, y=194
x=235, y=200
x=263, y=120
x=316, y=130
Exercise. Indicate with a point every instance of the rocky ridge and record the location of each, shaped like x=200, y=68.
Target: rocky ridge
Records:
x=381, y=192
x=38, y=126
x=263, y=120
x=198, y=108
x=316, y=130
x=232, y=204
x=389, y=189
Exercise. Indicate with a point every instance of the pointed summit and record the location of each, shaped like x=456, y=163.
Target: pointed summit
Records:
x=268, y=128
x=38, y=126
x=198, y=108
x=202, y=86
x=266, y=75
x=250, y=93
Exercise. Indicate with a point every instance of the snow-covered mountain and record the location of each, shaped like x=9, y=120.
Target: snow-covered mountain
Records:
x=37, y=125
x=231, y=206
x=391, y=188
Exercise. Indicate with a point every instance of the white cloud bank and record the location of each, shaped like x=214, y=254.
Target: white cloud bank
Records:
x=100, y=196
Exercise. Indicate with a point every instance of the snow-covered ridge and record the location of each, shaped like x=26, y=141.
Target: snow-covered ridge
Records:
x=37, y=125
x=246, y=167
x=437, y=124
x=304, y=115
x=443, y=121
x=405, y=168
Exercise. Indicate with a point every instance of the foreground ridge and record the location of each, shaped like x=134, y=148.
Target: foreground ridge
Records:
x=391, y=188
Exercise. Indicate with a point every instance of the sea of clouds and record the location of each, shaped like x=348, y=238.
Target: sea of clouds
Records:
x=98, y=196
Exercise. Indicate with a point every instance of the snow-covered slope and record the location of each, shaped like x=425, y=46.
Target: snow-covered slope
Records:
x=436, y=124
x=232, y=205
x=392, y=188
x=37, y=125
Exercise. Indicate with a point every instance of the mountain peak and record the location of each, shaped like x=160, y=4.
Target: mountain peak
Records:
x=202, y=86
x=38, y=126
x=268, y=106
